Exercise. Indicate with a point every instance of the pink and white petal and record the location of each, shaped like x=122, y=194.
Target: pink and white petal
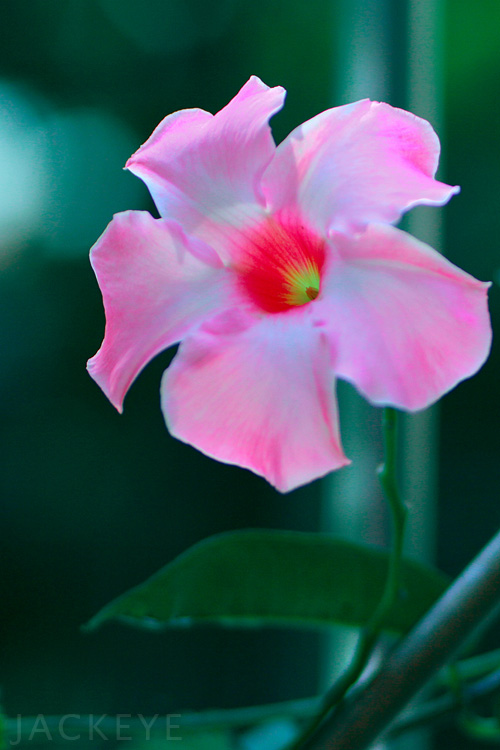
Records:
x=204, y=170
x=157, y=286
x=261, y=397
x=406, y=324
x=358, y=163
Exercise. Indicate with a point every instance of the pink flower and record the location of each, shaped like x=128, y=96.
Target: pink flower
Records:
x=278, y=270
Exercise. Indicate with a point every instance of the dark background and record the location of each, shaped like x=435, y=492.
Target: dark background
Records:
x=93, y=502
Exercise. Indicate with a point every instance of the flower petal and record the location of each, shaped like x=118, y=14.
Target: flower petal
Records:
x=261, y=397
x=157, y=286
x=355, y=164
x=406, y=324
x=204, y=170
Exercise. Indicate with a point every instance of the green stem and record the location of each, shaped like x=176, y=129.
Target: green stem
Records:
x=388, y=478
x=467, y=605
x=470, y=669
x=20, y=730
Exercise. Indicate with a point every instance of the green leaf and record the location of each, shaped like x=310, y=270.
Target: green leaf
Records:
x=259, y=577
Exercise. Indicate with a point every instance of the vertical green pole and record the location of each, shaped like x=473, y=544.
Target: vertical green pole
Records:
x=390, y=50
x=353, y=504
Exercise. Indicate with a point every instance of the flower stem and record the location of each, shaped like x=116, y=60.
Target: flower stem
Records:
x=371, y=632
x=388, y=479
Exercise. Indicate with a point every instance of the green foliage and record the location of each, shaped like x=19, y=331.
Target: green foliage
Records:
x=208, y=739
x=259, y=578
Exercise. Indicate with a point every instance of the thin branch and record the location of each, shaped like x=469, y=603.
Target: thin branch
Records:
x=464, y=607
x=38, y=729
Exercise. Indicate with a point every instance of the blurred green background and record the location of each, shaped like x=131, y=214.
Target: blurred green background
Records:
x=93, y=502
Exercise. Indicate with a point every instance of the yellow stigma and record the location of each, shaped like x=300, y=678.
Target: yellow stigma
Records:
x=302, y=284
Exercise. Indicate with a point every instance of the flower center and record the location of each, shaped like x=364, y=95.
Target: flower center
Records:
x=281, y=266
